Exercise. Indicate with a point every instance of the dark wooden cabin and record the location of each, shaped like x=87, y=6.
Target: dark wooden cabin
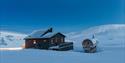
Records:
x=45, y=39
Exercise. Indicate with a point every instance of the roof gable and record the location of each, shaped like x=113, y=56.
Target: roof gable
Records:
x=58, y=34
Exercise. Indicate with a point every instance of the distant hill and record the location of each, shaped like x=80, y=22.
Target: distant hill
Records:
x=11, y=39
x=112, y=35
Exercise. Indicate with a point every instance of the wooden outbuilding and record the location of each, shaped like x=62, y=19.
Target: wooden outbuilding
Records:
x=89, y=45
x=46, y=40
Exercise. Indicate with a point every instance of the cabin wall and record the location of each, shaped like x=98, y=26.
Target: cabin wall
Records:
x=44, y=43
x=30, y=43
x=57, y=40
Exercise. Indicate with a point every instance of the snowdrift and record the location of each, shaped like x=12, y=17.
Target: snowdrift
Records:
x=112, y=35
x=18, y=48
x=11, y=39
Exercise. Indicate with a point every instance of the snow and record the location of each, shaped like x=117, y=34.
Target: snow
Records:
x=11, y=39
x=110, y=55
x=40, y=34
x=106, y=35
x=53, y=47
x=95, y=41
x=17, y=48
x=111, y=48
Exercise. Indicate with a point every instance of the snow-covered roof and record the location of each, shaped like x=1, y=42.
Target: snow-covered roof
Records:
x=94, y=41
x=40, y=34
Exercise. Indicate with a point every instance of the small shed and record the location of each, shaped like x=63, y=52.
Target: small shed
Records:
x=89, y=45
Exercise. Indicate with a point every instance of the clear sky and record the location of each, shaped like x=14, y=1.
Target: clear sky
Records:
x=63, y=15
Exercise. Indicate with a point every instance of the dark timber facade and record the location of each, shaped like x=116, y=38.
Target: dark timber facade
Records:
x=47, y=40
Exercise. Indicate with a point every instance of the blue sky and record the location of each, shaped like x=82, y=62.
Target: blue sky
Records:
x=63, y=15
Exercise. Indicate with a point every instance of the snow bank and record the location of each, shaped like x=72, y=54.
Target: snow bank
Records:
x=112, y=35
x=11, y=39
x=19, y=48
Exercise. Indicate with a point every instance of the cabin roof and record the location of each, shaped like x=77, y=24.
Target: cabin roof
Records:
x=39, y=34
x=94, y=41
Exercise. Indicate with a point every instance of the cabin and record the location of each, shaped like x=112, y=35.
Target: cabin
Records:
x=47, y=40
x=89, y=45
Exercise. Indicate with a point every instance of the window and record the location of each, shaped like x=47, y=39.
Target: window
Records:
x=52, y=41
x=62, y=40
x=44, y=40
x=56, y=39
x=34, y=41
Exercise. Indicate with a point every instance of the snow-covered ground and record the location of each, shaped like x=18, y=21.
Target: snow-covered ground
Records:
x=109, y=55
x=11, y=39
x=111, y=48
x=16, y=48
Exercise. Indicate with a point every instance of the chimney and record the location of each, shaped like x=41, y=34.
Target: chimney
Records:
x=47, y=31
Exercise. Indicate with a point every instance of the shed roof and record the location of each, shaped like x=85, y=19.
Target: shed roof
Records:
x=94, y=41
